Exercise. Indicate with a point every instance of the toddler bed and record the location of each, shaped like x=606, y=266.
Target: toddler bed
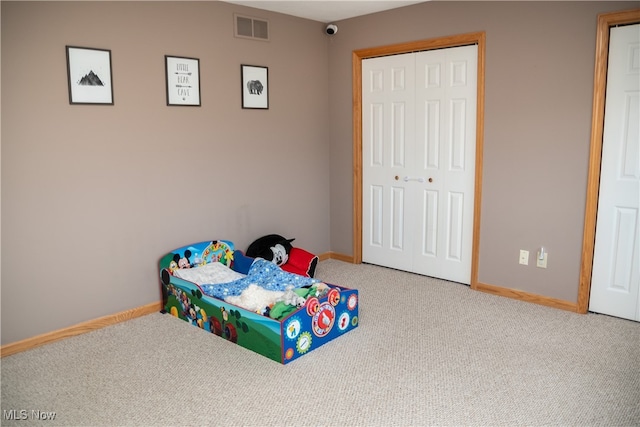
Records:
x=253, y=302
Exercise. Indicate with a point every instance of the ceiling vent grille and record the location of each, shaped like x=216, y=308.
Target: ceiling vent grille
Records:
x=248, y=27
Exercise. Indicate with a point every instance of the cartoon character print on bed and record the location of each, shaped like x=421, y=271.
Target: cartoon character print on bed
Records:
x=184, y=261
x=229, y=324
x=188, y=309
x=216, y=251
x=224, y=328
x=179, y=261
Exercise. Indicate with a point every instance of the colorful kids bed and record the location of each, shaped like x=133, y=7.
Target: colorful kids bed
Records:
x=253, y=302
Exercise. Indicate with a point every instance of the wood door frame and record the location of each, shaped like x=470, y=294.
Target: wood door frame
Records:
x=478, y=38
x=605, y=22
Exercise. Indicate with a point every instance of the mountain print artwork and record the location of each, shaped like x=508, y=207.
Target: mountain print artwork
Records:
x=90, y=79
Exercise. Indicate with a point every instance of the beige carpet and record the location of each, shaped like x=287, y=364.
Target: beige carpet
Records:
x=427, y=352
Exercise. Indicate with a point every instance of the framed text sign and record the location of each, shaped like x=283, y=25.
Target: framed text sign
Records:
x=183, y=81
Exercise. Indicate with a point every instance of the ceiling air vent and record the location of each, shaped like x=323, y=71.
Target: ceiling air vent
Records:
x=248, y=27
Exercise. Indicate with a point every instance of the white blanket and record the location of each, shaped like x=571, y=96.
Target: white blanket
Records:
x=211, y=273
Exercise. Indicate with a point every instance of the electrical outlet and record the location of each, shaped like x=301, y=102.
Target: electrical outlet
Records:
x=542, y=263
x=524, y=257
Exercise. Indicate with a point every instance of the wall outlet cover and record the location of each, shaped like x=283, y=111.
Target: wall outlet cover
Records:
x=542, y=263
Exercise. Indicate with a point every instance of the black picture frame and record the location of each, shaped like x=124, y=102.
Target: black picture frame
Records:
x=89, y=75
x=182, y=81
x=255, y=86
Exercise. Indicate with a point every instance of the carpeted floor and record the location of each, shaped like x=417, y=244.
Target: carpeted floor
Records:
x=426, y=352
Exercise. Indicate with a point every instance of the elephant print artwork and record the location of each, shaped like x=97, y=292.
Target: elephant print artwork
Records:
x=255, y=87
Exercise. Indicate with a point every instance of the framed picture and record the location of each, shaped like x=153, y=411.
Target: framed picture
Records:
x=255, y=86
x=183, y=81
x=89, y=75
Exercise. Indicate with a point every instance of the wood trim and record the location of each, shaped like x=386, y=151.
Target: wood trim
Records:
x=357, y=155
x=527, y=297
x=605, y=21
x=477, y=206
x=324, y=256
x=81, y=328
x=478, y=38
x=337, y=256
x=420, y=45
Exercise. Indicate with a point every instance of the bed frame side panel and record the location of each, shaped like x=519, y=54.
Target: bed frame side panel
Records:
x=186, y=301
x=319, y=322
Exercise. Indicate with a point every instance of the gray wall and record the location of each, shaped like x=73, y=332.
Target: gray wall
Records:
x=92, y=196
x=539, y=88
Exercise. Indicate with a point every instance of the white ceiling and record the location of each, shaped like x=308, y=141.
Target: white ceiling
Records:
x=326, y=10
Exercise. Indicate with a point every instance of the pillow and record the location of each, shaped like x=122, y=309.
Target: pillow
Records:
x=272, y=247
x=211, y=273
x=241, y=262
x=301, y=262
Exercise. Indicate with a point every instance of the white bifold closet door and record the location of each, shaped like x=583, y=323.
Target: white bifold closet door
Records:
x=418, y=156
